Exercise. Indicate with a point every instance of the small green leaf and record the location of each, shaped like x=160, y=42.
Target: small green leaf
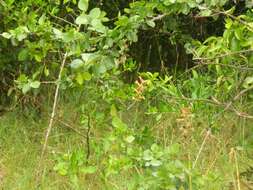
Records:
x=58, y=34
x=155, y=163
x=79, y=78
x=99, y=69
x=229, y=23
x=6, y=35
x=195, y=74
x=235, y=44
x=129, y=139
x=108, y=62
x=46, y=71
x=83, y=5
x=248, y=82
x=61, y=168
x=118, y=123
x=113, y=111
x=151, y=23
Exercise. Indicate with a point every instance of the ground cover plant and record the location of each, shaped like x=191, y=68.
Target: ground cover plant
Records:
x=137, y=95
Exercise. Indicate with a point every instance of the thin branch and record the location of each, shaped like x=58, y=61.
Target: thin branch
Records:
x=213, y=101
x=48, y=82
x=158, y=17
x=201, y=147
x=50, y=125
x=88, y=140
x=224, y=55
x=237, y=19
x=70, y=127
x=242, y=93
x=59, y=18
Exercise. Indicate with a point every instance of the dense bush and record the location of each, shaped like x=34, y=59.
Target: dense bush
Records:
x=169, y=56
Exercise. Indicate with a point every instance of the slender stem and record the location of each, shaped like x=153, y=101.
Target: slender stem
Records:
x=88, y=140
x=50, y=125
x=224, y=55
x=201, y=148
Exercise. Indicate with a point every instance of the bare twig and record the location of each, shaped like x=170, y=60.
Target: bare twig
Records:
x=159, y=17
x=201, y=148
x=66, y=21
x=50, y=125
x=242, y=93
x=88, y=140
x=213, y=101
x=224, y=55
x=70, y=127
x=48, y=82
x=233, y=157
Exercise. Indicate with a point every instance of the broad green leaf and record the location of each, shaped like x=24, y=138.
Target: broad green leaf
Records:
x=99, y=68
x=42, y=19
x=83, y=5
x=95, y=13
x=206, y=13
x=147, y=155
x=98, y=26
x=87, y=76
x=68, y=36
x=26, y=88
x=82, y=19
x=23, y=54
x=108, y=62
x=76, y=63
x=118, y=123
x=87, y=56
x=21, y=36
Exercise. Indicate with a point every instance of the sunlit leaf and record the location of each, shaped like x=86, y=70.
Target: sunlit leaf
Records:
x=83, y=5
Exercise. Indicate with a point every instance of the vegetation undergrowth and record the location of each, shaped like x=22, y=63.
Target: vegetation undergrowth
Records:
x=137, y=95
x=175, y=151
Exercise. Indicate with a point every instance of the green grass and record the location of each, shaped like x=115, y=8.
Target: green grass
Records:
x=21, y=141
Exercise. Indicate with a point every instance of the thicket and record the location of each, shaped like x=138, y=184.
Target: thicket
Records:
x=158, y=57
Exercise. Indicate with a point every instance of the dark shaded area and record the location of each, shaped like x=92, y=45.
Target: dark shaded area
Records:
x=162, y=48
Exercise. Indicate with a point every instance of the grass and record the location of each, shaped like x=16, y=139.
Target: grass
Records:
x=226, y=152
